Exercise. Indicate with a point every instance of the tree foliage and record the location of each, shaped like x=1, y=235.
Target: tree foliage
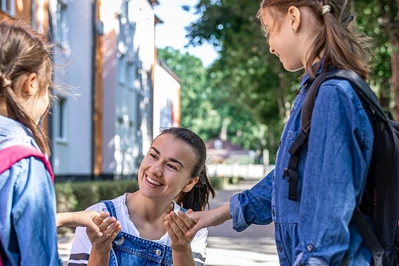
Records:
x=207, y=108
x=249, y=75
x=247, y=90
x=196, y=110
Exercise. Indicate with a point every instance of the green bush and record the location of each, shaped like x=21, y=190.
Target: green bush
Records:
x=77, y=196
x=216, y=182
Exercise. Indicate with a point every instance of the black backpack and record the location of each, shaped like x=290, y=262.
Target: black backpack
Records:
x=380, y=201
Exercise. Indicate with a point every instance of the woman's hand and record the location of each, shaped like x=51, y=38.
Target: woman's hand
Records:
x=177, y=227
x=109, y=227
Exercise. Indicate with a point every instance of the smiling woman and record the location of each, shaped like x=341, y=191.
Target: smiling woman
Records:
x=172, y=178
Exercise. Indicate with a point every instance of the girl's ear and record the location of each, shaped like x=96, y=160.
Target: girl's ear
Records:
x=30, y=85
x=295, y=18
x=190, y=184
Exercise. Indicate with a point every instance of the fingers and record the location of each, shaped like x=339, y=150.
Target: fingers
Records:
x=178, y=225
x=108, y=228
x=103, y=224
x=193, y=230
x=97, y=219
x=186, y=219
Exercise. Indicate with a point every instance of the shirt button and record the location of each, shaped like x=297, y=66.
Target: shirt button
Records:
x=158, y=252
x=273, y=178
x=309, y=247
x=273, y=212
x=279, y=248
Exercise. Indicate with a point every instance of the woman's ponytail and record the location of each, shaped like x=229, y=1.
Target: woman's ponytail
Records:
x=198, y=197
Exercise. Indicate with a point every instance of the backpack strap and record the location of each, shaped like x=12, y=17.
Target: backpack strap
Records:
x=13, y=154
x=362, y=88
x=364, y=229
x=307, y=109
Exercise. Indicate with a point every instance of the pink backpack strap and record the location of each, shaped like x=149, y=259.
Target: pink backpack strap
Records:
x=13, y=154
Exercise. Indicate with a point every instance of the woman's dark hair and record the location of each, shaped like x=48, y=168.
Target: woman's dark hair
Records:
x=198, y=197
x=344, y=47
x=23, y=51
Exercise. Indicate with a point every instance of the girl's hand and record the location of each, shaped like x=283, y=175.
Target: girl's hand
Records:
x=80, y=218
x=177, y=226
x=212, y=217
x=109, y=227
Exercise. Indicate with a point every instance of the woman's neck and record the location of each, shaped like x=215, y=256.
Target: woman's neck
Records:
x=146, y=209
x=147, y=215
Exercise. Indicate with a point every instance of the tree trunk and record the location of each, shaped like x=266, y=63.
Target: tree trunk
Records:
x=395, y=76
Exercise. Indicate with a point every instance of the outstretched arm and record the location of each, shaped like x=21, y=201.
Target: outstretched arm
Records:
x=209, y=218
x=80, y=218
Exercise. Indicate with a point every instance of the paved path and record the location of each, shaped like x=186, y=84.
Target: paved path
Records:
x=252, y=247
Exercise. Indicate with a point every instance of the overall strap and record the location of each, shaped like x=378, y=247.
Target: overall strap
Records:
x=110, y=207
x=13, y=154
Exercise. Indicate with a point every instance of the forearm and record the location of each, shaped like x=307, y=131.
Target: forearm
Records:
x=98, y=258
x=222, y=214
x=62, y=219
x=183, y=257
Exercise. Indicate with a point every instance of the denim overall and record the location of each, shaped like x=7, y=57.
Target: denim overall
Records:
x=135, y=251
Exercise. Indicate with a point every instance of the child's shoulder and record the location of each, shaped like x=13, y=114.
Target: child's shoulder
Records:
x=336, y=87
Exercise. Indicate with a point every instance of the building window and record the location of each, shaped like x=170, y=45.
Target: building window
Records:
x=58, y=10
x=60, y=119
x=8, y=7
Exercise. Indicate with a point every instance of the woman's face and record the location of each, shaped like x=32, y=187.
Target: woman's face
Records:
x=166, y=169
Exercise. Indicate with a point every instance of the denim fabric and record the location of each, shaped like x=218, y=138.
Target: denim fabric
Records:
x=131, y=250
x=316, y=229
x=27, y=199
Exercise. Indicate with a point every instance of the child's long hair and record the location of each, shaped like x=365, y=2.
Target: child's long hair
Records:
x=198, y=197
x=344, y=47
x=23, y=51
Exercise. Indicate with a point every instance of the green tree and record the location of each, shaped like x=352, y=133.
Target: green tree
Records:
x=252, y=78
x=196, y=110
x=249, y=76
x=209, y=109
x=371, y=22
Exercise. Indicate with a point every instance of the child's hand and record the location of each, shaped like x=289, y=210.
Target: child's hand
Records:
x=80, y=218
x=109, y=227
x=177, y=226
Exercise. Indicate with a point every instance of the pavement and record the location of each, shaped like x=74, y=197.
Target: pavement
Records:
x=253, y=247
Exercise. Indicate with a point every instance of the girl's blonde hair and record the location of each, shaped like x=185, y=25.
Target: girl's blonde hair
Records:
x=22, y=51
x=343, y=46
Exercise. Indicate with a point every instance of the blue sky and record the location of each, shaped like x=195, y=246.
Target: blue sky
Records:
x=172, y=32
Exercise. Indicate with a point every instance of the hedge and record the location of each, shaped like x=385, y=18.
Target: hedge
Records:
x=77, y=196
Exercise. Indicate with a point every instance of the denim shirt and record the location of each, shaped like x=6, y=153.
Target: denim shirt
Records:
x=316, y=229
x=27, y=217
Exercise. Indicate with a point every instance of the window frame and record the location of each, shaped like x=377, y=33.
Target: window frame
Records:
x=11, y=11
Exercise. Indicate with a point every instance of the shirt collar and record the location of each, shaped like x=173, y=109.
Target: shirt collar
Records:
x=11, y=127
x=306, y=78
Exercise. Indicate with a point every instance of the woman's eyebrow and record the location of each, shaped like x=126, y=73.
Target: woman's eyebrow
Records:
x=170, y=159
